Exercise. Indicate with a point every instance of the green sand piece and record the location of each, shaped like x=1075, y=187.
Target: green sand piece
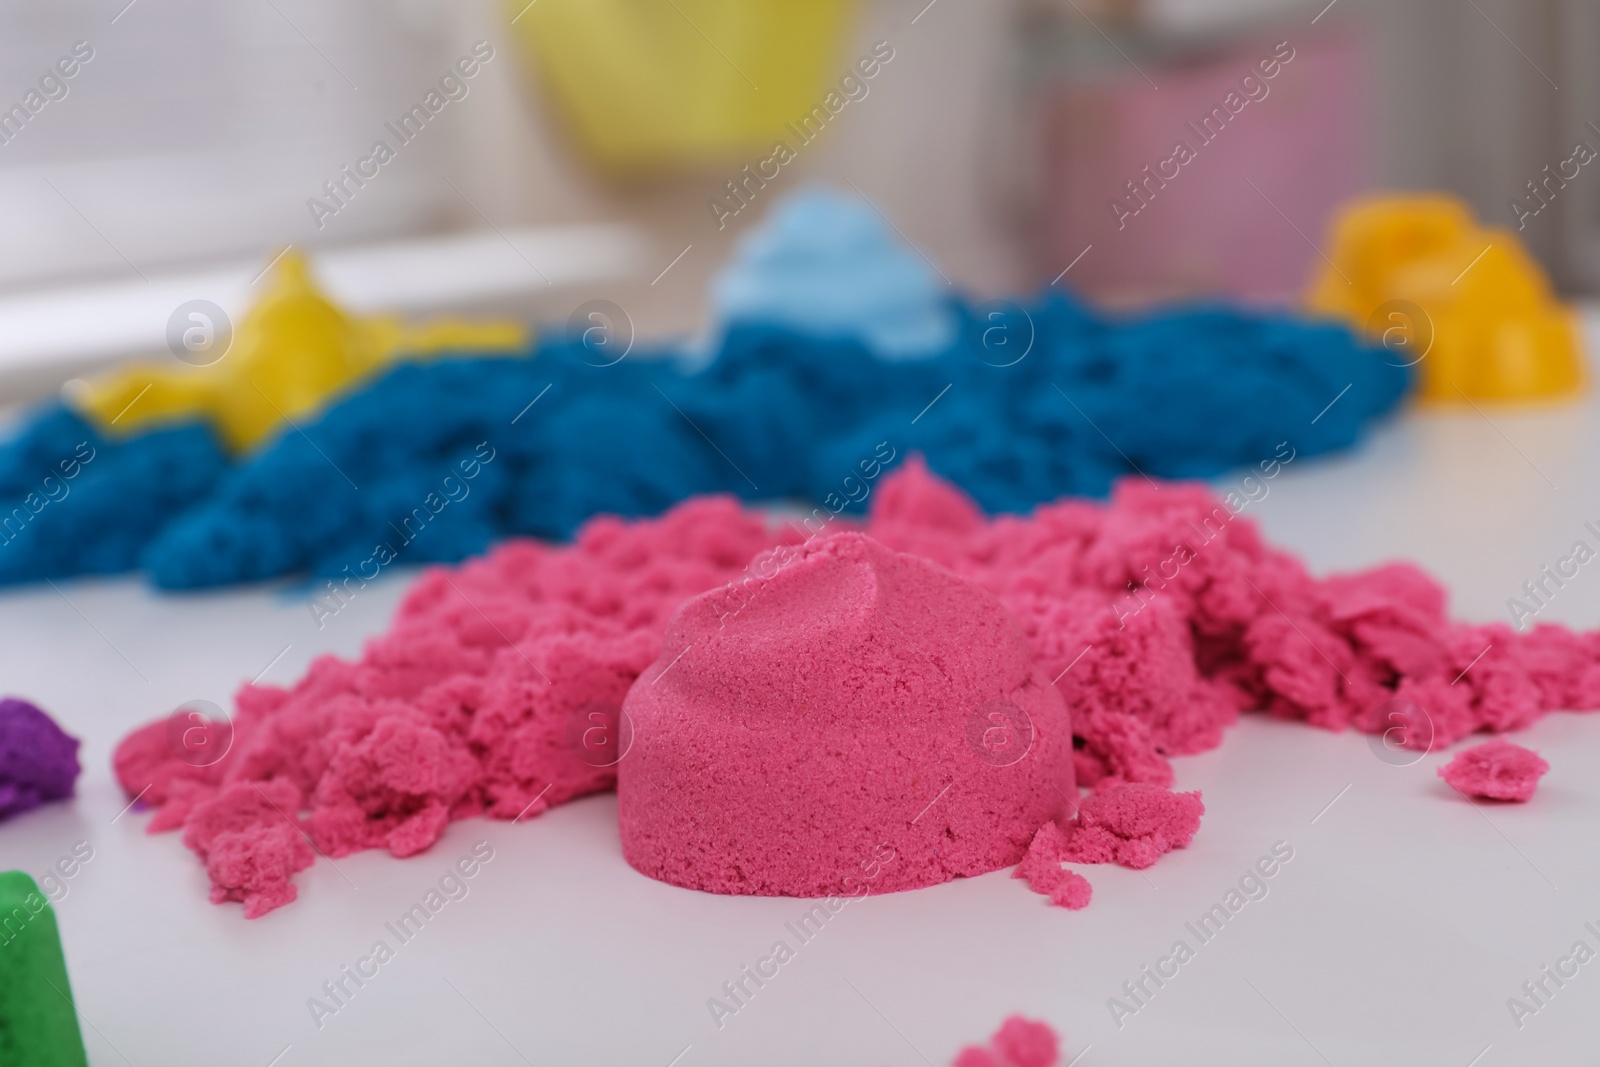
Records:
x=38, y=1024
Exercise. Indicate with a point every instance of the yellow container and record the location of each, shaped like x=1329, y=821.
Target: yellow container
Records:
x=294, y=351
x=1465, y=303
x=652, y=83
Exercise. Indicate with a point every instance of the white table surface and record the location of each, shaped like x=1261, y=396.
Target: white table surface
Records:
x=1395, y=936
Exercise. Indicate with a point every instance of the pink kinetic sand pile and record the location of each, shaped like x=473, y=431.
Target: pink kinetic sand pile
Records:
x=1497, y=770
x=1157, y=616
x=495, y=693
x=1019, y=1042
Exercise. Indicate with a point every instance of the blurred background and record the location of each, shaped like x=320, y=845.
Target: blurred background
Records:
x=195, y=138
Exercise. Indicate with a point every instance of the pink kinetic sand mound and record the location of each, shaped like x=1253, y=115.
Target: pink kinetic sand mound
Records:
x=1158, y=616
x=1497, y=770
x=1019, y=1042
x=841, y=705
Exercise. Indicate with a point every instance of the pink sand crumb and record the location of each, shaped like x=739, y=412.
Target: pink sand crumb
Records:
x=1042, y=870
x=250, y=844
x=1020, y=1042
x=1133, y=824
x=1496, y=769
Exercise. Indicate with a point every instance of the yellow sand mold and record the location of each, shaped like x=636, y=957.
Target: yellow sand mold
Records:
x=294, y=351
x=1466, y=303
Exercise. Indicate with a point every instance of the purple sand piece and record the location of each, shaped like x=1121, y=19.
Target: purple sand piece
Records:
x=38, y=760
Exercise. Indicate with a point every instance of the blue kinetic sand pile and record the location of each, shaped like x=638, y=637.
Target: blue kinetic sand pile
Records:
x=73, y=502
x=1017, y=403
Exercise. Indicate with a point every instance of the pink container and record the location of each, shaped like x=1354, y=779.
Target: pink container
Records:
x=1233, y=215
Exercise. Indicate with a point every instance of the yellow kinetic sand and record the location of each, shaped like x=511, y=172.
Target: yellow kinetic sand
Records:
x=647, y=83
x=293, y=352
x=1465, y=302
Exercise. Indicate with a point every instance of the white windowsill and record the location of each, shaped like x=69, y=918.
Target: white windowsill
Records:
x=65, y=330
